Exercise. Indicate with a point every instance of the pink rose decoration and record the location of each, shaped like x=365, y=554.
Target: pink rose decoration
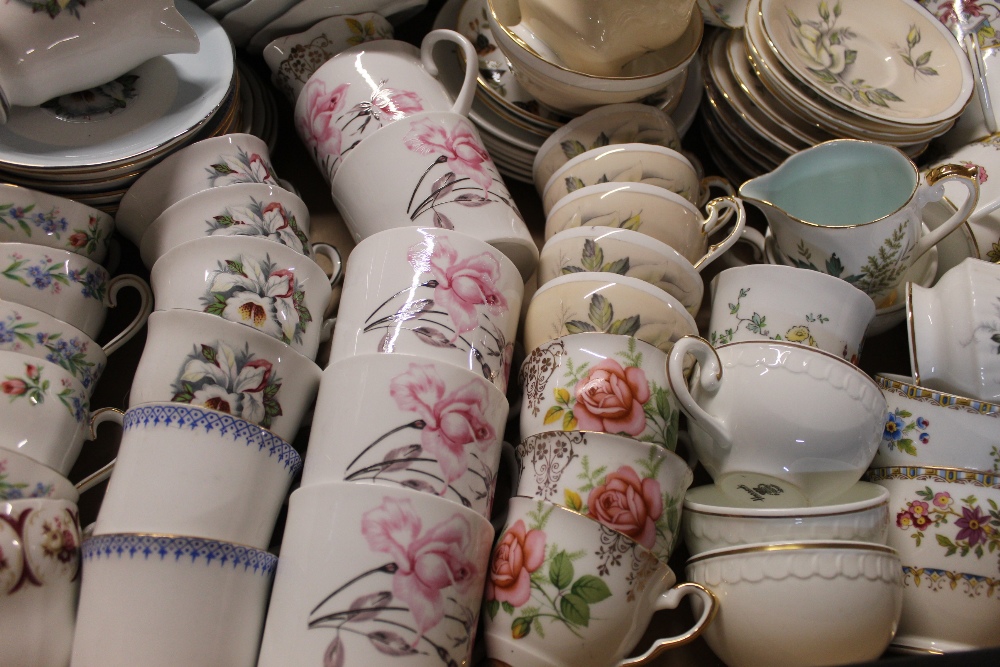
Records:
x=464, y=154
x=13, y=387
x=318, y=127
x=451, y=422
x=461, y=284
x=628, y=504
x=429, y=561
x=610, y=399
x=396, y=104
x=518, y=553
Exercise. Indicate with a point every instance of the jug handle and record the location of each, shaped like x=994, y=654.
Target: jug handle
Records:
x=975, y=53
x=936, y=177
x=463, y=101
x=729, y=204
x=709, y=374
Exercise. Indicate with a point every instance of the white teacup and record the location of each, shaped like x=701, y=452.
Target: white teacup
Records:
x=432, y=171
x=23, y=477
x=159, y=600
x=369, y=86
x=434, y=293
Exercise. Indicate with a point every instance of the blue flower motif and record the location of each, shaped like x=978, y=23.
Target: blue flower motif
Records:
x=893, y=428
x=14, y=493
x=922, y=423
x=41, y=337
x=79, y=409
x=6, y=333
x=925, y=438
x=92, y=285
x=39, y=277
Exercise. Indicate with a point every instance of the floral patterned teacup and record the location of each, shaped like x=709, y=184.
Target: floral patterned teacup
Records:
x=406, y=568
x=773, y=302
x=209, y=163
x=947, y=534
x=369, y=86
x=599, y=382
x=252, y=281
x=564, y=589
x=259, y=210
x=432, y=170
x=434, y=293
x=203, y=360
x=635, y=488
x=39, y=580
x=68, y=287
x=439, y=428
x=23, y=477
x=30, y=216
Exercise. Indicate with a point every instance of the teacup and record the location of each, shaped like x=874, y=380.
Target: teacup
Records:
x=933, y=428
x=611, y=585
x=628, y=253
x=798, y=583
x=605, y=303
x=23, y=477
x=156, y=600
x=431, y=292
x=372, y=85
x=782, y=424
x=205, y=361
x=254, y=282
x=439, y=430
x=712, y=520
x=602, y=383
x=431, y=169
x=772, y=302
x=369, y=572
x=30, y=216
x=945, y=533
x=636, y=488
x=259, y=210
x=205, y=164
x=954, y=330
x=181, y=469
x=294, y=58
x=653, y=211
x=40, y=543
x=68, y=287
x=852, y=209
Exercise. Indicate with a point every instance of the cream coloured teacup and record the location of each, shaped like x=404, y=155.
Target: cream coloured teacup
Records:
x=31, y=216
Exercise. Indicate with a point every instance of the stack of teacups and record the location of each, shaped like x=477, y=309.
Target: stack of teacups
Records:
x=176, y=569
x=938, y=459
x=387, y=542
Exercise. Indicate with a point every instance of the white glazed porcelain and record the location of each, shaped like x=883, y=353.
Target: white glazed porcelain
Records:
x=156, y=600
x=612, y=585
x=932, y=428
x=209, y=163
x=431, y=292
x=782, y=424
x=775, y=602
x=40, y=542
x=204, y=361
x=30, y=216
x=413, y=564
x=53, y=49
x=68, y=287
x=184, y=470
x=636, y=488
x=769, y=301
x=259, y=210
x=431, y=169
x=363, y=89
x=439, y=428
x=23, y=477
x=944, y=532
x=599, y=382
x=251, y=281
x=45, y=411
x=605, y=303
x=713, y=520
x=954, y=330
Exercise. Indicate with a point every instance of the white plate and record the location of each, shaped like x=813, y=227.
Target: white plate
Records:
x=173, y=96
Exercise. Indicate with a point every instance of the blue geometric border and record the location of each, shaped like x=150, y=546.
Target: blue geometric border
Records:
x=181, y=416
x=180, y=549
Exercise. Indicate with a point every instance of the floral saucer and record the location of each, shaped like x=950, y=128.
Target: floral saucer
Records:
x=905, y=67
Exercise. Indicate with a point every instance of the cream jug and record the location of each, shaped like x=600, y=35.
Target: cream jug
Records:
x=852, y=209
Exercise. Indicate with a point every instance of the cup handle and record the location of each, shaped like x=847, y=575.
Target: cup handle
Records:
x=145, y=308
x=332, y=254
x=96, y=419
x=715, y=221
x=975, y=52
x=709, y=375
x=463, y=101
x=670, y=600
x=935, y=179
